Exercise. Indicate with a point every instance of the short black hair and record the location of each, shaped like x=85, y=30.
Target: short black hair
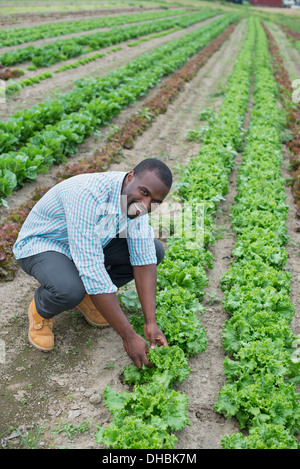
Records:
x=162, y=171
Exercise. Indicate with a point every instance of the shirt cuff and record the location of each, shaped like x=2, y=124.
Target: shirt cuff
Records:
x=98, y=284
x=100, y=290
x=143, y=259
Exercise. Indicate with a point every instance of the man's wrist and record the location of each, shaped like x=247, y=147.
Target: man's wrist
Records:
x=149, y=318
x=127, y=333
x=109, y=307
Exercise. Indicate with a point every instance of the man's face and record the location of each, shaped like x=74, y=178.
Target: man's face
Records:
x=142, y=194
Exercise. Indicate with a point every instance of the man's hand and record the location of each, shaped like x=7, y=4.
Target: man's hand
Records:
x=154, y=335
x=137, y=348
x=145, y=279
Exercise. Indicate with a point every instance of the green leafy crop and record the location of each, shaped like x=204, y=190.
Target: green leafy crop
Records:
x=54, y=129
x=261, y=374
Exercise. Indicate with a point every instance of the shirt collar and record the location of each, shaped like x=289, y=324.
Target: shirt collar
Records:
x=112, y=203
x=118, y=193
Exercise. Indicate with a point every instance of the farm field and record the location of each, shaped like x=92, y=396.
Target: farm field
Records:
x=211, y=90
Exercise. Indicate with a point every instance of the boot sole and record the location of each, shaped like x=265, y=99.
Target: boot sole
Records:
x=41, y=349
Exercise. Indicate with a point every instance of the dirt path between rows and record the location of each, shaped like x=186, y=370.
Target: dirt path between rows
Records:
x=290, y=55
x=63, y=81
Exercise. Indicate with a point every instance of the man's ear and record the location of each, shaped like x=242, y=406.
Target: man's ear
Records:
x=130, y=176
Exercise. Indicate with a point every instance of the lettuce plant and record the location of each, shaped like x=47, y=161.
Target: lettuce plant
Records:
x=260, y=391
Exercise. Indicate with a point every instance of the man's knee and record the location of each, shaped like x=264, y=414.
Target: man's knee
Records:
x=70, y=294
x=160, y=251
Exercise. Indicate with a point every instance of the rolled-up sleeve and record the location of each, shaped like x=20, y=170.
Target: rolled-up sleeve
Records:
x=82, y=215
x=140, y=240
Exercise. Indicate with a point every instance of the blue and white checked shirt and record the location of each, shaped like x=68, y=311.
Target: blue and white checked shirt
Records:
x=78, y=217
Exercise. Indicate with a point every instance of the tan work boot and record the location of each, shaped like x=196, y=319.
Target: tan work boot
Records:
x=90, y=313
x=40, y=333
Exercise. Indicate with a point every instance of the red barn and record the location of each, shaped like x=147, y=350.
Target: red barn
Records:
x=267, y=3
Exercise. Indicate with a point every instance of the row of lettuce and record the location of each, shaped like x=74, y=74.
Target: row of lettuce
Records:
x=263, y=371
x=14, y=36
x=54, y=53
x=14, y=86
x=288, y=99
x=63, y=49
x=34, y=139
x=147, y=416
x=261, y=374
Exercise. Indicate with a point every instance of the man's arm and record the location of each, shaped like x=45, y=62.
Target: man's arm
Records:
x=135, y=346
x=87, y=253
x=143, y=259
x=145, y=277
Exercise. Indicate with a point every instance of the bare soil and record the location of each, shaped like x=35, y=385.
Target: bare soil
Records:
x=290, y=54
x=42, y=391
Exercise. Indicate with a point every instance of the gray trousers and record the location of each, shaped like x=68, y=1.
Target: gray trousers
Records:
x=61, y=287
